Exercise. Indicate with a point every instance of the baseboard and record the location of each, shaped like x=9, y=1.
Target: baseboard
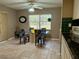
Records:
x=2, y=41
x=11, y=38
x=55, y=39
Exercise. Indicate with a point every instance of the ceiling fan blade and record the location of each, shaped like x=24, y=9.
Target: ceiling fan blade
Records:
x=31, y=0
x=48, y=3
x=38, y=7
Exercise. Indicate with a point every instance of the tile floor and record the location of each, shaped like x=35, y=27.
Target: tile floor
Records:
x=12, y=50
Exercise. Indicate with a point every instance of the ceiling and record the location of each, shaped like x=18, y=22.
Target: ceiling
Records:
x=22, y=4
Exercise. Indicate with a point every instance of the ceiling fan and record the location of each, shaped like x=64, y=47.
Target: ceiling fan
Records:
x=33, y=4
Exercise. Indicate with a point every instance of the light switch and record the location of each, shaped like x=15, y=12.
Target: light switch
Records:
x=69, y=25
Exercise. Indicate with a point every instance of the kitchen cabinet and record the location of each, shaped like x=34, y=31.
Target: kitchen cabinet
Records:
x=67, y=8
x=65, y=51
x=76, y=9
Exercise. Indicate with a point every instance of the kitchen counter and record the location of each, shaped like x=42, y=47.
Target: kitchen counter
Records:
x=74, y=47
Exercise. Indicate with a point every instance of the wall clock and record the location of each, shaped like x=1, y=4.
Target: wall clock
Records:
x=22, y=19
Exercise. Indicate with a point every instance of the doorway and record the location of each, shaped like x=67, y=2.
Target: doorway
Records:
x=3, y=27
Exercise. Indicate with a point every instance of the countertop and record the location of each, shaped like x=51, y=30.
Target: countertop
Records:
x=74, y=47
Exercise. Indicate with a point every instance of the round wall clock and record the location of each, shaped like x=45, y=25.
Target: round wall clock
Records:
x=22, y=19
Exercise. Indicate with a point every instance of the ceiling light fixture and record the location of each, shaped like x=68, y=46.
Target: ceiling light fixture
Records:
x=31, y=10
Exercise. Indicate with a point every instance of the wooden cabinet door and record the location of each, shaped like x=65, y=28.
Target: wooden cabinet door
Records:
x=3, y=26
x=65, y=53
x=76, y=9
x=62, y=50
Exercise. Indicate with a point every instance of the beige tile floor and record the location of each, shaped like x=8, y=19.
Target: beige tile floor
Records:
x=12, y=50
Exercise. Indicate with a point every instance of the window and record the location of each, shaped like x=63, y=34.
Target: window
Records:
x=44, y=23
x=40, y=21
x=33, y=21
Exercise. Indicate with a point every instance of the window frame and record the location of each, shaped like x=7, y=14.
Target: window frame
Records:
x=41, y=21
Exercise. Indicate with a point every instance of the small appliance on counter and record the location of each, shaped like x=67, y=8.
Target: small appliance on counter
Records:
x=75, y=30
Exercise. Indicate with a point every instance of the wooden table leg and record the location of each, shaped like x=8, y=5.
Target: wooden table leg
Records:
x=20, y=40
